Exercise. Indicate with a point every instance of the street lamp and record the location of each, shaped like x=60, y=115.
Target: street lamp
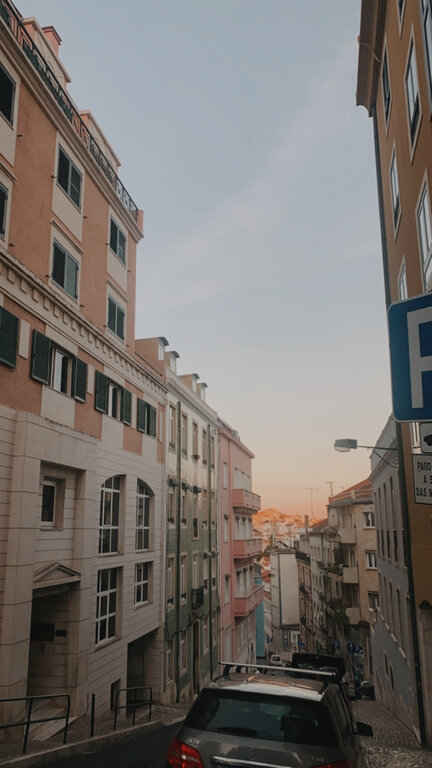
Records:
x=343, y=445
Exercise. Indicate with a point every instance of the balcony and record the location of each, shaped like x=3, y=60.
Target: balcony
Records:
x=243, y=548
x=242, y=499
x=347, y=535
x=350, y=575
x=197, y=598
x=353, y=615
x=243, y=606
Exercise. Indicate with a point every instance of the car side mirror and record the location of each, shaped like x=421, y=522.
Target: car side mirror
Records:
x=364, y=729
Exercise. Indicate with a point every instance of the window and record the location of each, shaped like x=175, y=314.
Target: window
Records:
x=116, y=318
x=65, y=271
x=171, y=504
x=195, y=454
x=426, y=10
x=183, y=657
x=142, y=531
x=106, y=604
x=205, y=633
x=205, y=572
x=184, y=505
x=412, y=91
x=373, y=600
x=172, y=426
x=146, y=418
x=183, y=577
x=195, y=571
x=369, y=519
x=204, y=509
x=57, y=368
x=112, y=399
x=3, y=206
x=184, y=434
x=371, y=561
x=425, y=235
x=170, y=580
x=227, y=588
x=7, y=95
x=69, y=177
x=204, y=446
x=402, y=284
x=109, y=515
x=225, y=474
x=142, y=581
x=400, y=4
x=48, y=502
x=394, y=187
x=226, y=528
x=385, y=80
x=212, y=451
x=117, y=241
x=8, y=338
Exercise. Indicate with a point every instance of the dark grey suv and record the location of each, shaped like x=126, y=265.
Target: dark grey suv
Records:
x=267, y=718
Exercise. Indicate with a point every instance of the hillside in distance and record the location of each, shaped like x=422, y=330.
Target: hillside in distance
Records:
x=274, y=516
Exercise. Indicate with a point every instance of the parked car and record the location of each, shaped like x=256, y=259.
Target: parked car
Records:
x=367, y=689
x=268, y=717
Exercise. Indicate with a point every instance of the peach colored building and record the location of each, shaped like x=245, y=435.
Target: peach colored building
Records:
x=394, y=84
x=82, y=463
x=239, y=595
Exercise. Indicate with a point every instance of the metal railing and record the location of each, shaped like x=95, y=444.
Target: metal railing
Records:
x=45, y=72
x=135, y=703
x=28, y=721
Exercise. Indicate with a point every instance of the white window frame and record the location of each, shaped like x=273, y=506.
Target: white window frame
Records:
x=119, y=326
x=106, y=605
x=49, y=522
x=109, y=516
x=424, y=229
x=402, y=283
x=143, y=519
x=371, y=559
x=142, y=583
x=385, y=85
x=117, y=241
x=68, y=189
x=412, y=94
x=70, y=269
x=394, y=190
x=369, y=519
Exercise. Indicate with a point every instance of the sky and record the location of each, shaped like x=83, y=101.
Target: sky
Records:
x=237, y=128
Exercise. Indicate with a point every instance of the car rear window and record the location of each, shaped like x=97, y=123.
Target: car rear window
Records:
x=252, y=715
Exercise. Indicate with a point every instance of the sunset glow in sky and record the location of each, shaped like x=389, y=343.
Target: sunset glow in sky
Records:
x=236, y=125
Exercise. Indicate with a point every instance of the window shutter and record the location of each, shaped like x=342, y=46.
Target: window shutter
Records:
x=121, y=253
x=58, y=270
x=113, y=236
x=75, y=186
x=3, y=201
x=63, y=171
x=126, y=406
x=71, y=274
x=120, y=323
x=101, y=394
x=111, y=315
x=151, y=421
x=79, y=379
x=40, y=362
x=8, y=337
x=141, y=415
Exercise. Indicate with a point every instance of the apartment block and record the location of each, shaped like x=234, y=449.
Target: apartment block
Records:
x=82, y=465
x=394, y=84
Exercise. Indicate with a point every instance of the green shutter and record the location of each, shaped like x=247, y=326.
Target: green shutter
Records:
x=126, y=406
x=113, y=236
x=101, y=394
x=151, y=421
x=111, y=315
x=141, y=415
x=8, y=337
x=79, y=379
x=40, y=361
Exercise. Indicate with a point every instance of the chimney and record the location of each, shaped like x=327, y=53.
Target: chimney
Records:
x=53, y=38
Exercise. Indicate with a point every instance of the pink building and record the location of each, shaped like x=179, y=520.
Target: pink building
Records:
x=238, y=549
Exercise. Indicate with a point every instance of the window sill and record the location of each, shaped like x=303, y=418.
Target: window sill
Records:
x=141, y=605
x=104, y=643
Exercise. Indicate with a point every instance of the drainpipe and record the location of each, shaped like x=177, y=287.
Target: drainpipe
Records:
x=402, y=469
x=178, y=547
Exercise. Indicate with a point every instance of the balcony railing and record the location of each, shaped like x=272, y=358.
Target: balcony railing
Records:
x=302, y=556
x=44, y=71
x=245, y=605
x=247, y=548
x=245, y=500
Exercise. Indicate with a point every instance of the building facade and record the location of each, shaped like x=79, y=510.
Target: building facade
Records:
x=82, y=466
x=394, y=84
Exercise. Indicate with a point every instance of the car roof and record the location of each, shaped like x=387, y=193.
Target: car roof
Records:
x=268, y=684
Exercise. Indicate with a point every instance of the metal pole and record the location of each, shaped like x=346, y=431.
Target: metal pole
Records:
x=178, y=550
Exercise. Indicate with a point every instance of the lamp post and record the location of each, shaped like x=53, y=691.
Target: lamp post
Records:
x=343, y=445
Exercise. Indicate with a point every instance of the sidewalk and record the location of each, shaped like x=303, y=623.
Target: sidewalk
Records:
x=392, y=744
x=79, y=740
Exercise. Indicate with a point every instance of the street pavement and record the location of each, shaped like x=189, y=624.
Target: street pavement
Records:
x=392, y=745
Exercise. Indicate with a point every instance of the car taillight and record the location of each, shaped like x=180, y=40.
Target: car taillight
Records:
x=181, y=755
x=339, y=764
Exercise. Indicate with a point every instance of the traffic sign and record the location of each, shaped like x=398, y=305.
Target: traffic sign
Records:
x=351, y=647
x=410, y=332
x=356, y=650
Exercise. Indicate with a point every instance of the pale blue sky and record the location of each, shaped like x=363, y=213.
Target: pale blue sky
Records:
x=236, y=125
